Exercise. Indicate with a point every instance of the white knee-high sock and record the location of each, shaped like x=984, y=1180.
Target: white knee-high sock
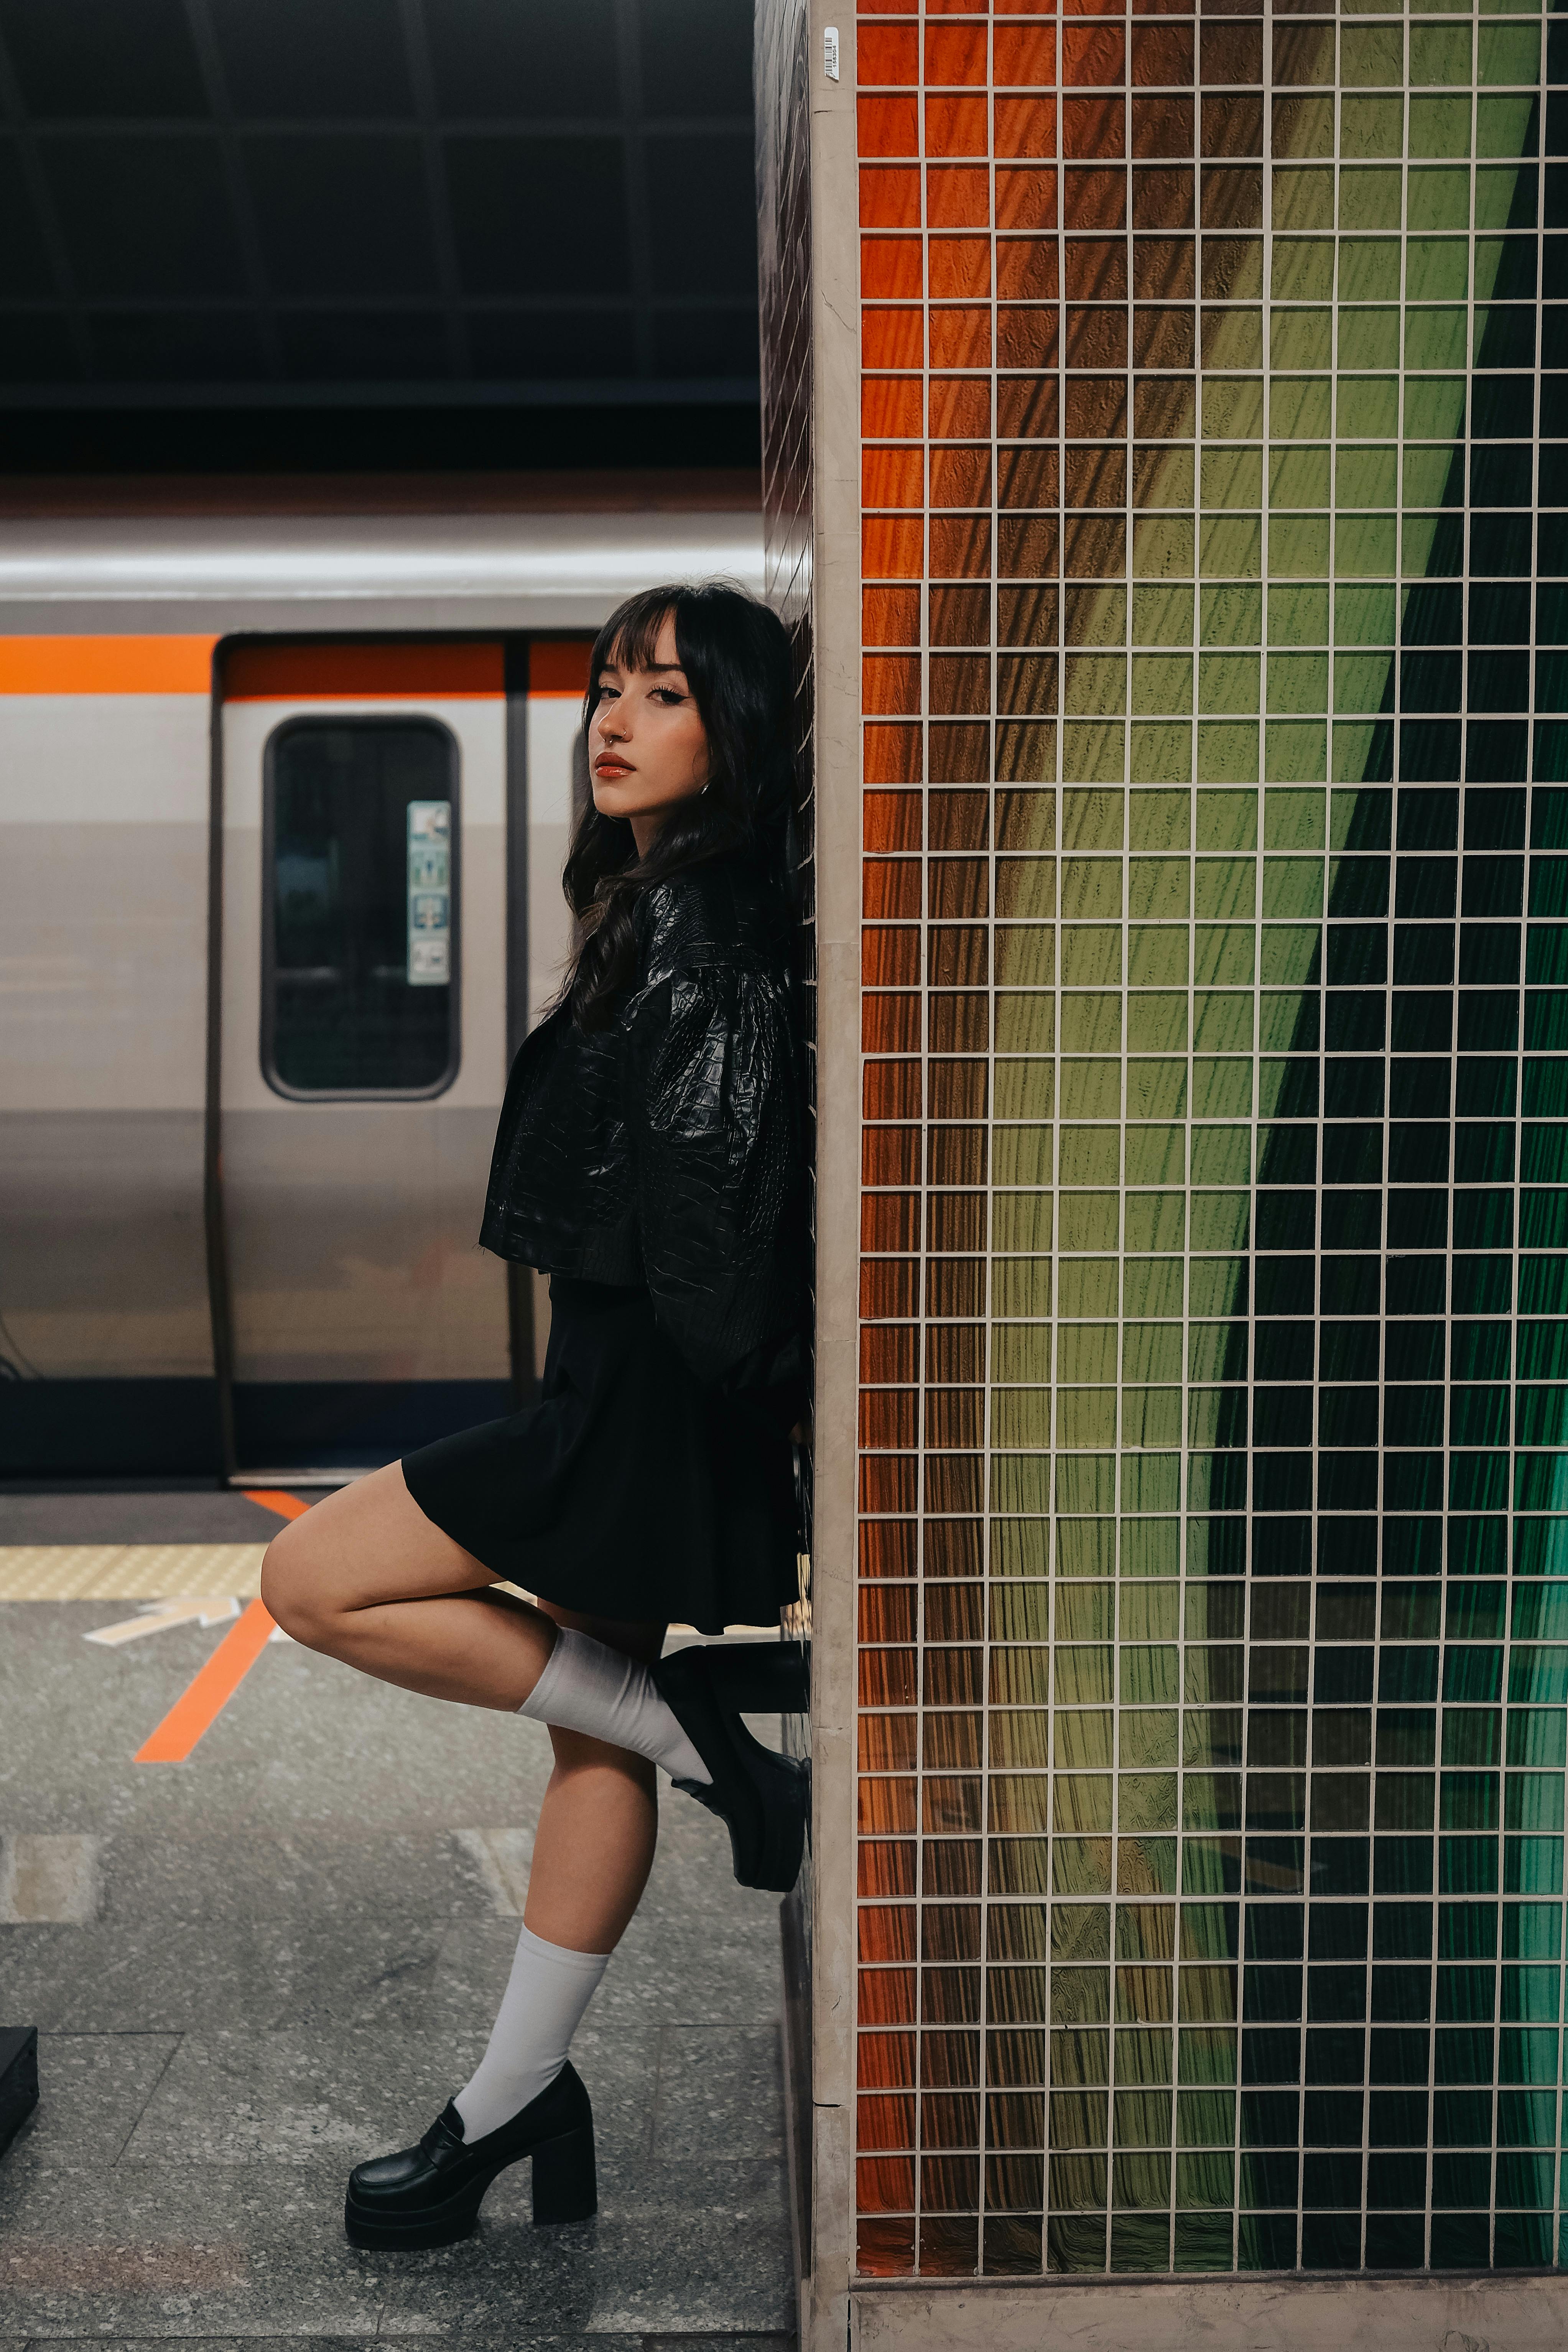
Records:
x=549, y=1989
x=587, y=1686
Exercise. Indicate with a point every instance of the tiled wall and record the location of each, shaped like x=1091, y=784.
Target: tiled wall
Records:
x=1214, y=1608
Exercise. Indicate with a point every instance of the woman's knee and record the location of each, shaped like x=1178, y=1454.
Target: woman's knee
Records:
x=577, y=1751
x=293, y=1588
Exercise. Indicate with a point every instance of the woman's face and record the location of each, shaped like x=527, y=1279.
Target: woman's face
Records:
x=648, y=748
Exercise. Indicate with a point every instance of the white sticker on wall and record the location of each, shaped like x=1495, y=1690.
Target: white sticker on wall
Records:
x=830, y=51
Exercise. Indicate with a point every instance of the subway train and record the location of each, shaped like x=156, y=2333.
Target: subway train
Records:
x=286, y=773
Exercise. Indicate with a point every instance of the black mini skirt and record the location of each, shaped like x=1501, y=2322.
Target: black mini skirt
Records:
x=627, y=1491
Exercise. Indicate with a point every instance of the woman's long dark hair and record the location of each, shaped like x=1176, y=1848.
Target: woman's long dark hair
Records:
x=736, y=657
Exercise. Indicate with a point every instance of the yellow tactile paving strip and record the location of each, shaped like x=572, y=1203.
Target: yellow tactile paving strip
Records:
x=129, y=1571
x=170, y=1572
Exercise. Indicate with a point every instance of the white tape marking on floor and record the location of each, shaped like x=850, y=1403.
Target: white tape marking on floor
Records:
x=49, y=1881
x=502, y=1857
x=156, y=1614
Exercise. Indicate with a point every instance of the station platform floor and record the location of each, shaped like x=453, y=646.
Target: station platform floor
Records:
x=253, y=1967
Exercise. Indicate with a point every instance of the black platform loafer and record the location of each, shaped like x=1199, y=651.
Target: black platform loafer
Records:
x=430, y=2195
x=762, y=1798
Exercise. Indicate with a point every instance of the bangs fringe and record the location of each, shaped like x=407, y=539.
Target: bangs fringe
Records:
x=637, y=630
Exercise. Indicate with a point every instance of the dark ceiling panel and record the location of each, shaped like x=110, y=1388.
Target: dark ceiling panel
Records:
x=509, y=345
x=173, y=346
x=432, y=200
x=364, y=346
x=343, y=216
x=36, y=347
x=524, y=57
x=538, y=215
x=24, y=263
x=306, y=59
x=110, y=58
x=703, y=213
x=144, y=215
x=696, y=56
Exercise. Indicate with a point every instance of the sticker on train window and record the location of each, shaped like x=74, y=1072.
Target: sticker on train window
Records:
x=429, y=894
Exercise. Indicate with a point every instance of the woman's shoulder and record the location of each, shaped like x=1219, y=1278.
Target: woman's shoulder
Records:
x=728, y=911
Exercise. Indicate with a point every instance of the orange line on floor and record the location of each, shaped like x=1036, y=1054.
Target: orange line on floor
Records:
x=274, y=1499
x=199, y=1706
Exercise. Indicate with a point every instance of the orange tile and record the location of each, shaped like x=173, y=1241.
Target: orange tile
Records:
x=891, y=755
x=1025, y=126
x=1023, y=54
x=958, y=197
x=960, y=409
x=960, y=337
x=1026, y=337
x=891, y=408
x=1026, y=268
x=960, y=546
x=886, y=55
x=959, y=266
x=892, y=548
x=890, y=685
x=955, y=126
x=890, y=617
x=890, y=820
x=890, y=268
x=1095, y=199
x=1093, y=56
x=888, y=126
x=955, y=57
x=961, y=476
x=890, y=196
x=885, y=2183
x=892, y=339
x=1026, y=199
x=890, y=478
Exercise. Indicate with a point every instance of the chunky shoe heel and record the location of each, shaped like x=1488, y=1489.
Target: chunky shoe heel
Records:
x=565, y=2187
x=430, y=2195
x=762, y=1799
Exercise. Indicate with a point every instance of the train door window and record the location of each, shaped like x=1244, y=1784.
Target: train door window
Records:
x=359, y=925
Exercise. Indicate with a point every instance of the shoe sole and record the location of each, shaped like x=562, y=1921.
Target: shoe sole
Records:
x=442, y=2228
x=773, y=1864
x=555, y=2203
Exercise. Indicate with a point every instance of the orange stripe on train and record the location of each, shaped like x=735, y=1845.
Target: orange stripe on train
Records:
x=347, y=672
x=106, y=664
x=322, y=671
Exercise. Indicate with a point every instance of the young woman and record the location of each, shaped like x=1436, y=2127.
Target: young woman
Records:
x=649, y=1158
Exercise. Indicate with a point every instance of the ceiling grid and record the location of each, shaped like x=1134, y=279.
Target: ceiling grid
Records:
x=215, y=206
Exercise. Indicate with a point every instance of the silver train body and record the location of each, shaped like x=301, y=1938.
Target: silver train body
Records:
x=283, y=805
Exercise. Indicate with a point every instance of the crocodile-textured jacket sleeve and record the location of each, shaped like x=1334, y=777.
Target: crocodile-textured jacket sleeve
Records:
x=667, y=1147
x=712, y=1108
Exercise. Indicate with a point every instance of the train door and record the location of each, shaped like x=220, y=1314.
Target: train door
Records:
x=363, y=1039
x=553, y=758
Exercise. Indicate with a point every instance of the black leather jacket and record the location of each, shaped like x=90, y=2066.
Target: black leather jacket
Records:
x=668, y=1147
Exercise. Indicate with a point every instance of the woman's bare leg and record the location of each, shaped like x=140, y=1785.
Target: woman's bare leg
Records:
x=365, y=1576
x=598, y=1824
